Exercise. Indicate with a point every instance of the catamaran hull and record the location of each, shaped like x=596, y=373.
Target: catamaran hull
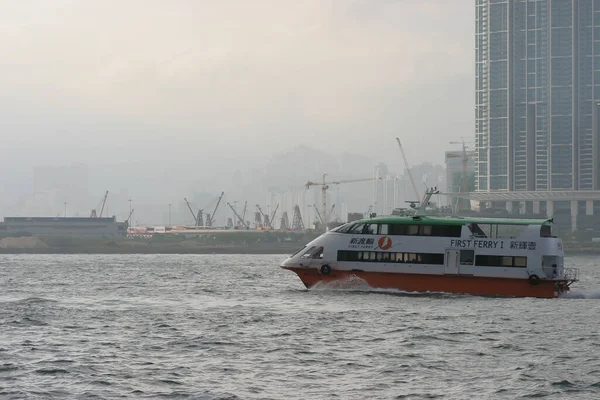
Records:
x=459, y=284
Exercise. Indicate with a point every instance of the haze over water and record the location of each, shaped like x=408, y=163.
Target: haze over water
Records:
x=213, y=327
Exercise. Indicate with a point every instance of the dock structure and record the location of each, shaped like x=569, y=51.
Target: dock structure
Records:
x=63, y=226
x=582, y=206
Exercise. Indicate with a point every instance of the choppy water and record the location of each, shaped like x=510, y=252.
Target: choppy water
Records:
x=215, y=326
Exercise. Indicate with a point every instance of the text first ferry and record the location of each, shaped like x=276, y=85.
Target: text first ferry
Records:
x=477, y=256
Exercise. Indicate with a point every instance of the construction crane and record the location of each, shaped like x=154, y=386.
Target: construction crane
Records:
x=318, y=213
x=129, y=217
x=210, y=218
x=93, y=213
x=325, y=185
x=258, y=219
x=191, y=211
x=273, y=216
x=198, y=217
x=266, y=222
x=407, y=166
x=240, y=218
x=297, y=223
x=244, y=213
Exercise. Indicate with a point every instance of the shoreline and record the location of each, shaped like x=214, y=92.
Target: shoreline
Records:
x=253, y=249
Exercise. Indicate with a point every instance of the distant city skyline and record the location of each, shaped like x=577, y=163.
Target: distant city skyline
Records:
x=53, y=186
x=223, y=87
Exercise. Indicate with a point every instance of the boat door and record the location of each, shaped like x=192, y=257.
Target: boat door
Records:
x=451, y=262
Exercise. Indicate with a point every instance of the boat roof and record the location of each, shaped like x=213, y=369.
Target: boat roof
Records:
x=435, y=220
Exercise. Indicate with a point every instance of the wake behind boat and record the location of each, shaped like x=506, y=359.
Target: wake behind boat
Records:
x=478, y=256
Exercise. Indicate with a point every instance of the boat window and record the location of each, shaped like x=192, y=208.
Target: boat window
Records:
x=476, y=230
x=446, y=230
x=425, y=230
x=412, y=258
x=506, y=261
x=429, y=258
x=500, y=261
x=313, y=253
x=356, y=229
x=520, y=261
x=382, y=229
x=509, y=231
x=370, y=229
x=412, y=230
x=397, y=229
x=349, y=255
x=467, y=257
x=421, y=230
x=387, y=257
x=317, y=254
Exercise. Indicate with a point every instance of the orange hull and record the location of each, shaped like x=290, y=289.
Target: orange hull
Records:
x=460, y=284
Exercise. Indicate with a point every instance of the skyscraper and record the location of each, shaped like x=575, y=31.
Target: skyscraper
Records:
x=537, y=94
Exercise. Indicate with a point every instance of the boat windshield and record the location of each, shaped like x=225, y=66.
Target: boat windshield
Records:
x=344, y=228
x=298, y=251
x=338, y=228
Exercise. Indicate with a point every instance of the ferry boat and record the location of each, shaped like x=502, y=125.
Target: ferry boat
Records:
x=421, y=253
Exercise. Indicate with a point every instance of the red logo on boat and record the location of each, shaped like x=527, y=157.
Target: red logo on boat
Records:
x=384, y=242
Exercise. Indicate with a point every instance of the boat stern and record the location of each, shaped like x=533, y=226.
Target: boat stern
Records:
x=562, y=284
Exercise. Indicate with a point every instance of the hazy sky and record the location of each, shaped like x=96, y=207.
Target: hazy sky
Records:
x=102, y=80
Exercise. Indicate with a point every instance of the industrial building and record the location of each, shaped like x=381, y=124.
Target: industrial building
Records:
x=61, y=226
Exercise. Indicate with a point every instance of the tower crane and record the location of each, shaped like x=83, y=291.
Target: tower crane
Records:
x=325, y=185
x=407, y=166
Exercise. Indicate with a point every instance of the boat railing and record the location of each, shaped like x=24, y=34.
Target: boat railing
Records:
x=570, y=274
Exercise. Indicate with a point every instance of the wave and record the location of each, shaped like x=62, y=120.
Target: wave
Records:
x=582, y=294
x=28, y=300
